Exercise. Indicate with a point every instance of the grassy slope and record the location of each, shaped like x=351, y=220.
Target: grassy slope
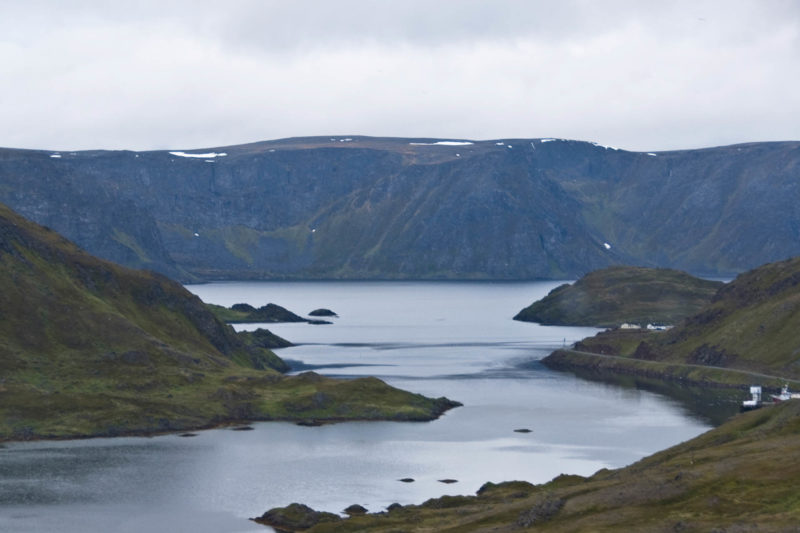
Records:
x=742, y=476
x=612, y=296
x=752, y=324
x=91, y=348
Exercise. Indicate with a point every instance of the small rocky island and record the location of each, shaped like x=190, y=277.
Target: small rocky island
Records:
x=322, y=312
x=270, y=313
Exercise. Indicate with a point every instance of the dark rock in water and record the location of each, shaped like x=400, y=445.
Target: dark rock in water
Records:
x=242, y=428
x=522, y=430
x=407, y=480
x=322, y=312
x=317, y=322
x=188, y=435
x=295, y=516
x=448, y=481
x=356, y=509
x=394, y=507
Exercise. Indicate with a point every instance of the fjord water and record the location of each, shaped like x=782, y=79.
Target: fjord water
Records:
x=449, y=339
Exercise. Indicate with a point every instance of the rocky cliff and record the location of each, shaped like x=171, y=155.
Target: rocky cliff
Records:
x=415, y=208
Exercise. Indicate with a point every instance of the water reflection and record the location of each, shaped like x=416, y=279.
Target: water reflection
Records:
x=713, y=406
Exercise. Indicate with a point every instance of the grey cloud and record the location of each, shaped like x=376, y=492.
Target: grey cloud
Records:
x=185, y=74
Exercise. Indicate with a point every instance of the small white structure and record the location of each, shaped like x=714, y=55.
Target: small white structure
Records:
x=630, y=326
x=755, y=402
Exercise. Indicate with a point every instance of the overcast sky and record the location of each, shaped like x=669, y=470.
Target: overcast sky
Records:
x=189, y=74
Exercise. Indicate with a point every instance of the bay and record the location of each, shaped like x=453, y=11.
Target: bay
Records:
x=453, y=339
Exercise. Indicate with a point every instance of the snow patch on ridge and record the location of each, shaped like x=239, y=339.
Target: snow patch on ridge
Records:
x=202, y=156
x=444, y=143
x=604, y=146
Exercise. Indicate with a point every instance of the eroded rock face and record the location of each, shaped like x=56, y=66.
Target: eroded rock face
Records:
x=711, y=356
x=386, y=208
x=541, y=512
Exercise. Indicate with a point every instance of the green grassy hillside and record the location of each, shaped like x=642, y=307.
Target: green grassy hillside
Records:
x=91, y=348
x=615, y=295
x=752, y=324
x=742, y=476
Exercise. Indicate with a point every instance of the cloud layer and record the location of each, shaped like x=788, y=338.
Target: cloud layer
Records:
x=179, y=75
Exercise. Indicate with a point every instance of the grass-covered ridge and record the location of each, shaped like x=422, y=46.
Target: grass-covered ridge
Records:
x=89, y=348
x=620, y=294
x=752, y=324
x=741, y=476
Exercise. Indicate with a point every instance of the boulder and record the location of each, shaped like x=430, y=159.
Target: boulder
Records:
x=356, y=509
x=294, y=517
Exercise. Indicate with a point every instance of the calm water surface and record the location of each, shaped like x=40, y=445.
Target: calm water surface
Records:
x=435, y=338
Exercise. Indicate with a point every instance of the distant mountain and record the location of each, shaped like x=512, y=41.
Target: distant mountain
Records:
x=90, y=348
x=394, y=208
x=616, y=295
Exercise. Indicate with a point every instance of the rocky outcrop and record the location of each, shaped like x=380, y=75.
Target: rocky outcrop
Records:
x=355, y=510
x=294, y=517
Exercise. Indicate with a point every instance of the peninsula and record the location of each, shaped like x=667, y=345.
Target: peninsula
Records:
x=90, y=348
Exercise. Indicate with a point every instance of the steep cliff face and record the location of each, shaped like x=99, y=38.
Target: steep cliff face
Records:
x=403, y=208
